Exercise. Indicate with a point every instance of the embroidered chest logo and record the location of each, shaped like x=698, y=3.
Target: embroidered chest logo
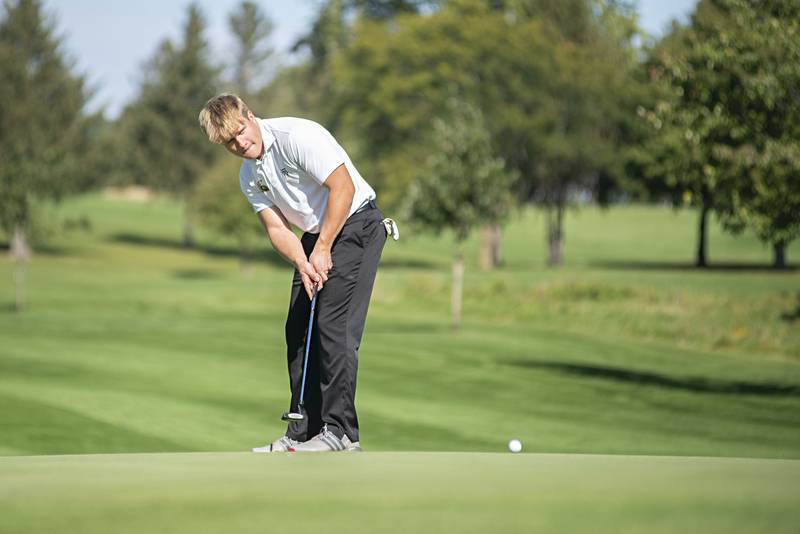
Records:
x=284, y=172
x=262, y=184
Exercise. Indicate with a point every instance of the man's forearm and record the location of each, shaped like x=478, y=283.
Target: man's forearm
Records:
x=339, y=202
x=288, y=245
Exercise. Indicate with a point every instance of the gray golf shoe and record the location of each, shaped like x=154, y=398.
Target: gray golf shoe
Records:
x=326, y=441
x=282, y=444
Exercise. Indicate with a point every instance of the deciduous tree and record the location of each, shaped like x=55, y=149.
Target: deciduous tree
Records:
x=727, y=118
x=464, y=186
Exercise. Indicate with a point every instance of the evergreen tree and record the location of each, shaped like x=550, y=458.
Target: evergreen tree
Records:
x=220, y=204
x=45, y=137
x=222, y=208
x=163, y=146
x=251, y=28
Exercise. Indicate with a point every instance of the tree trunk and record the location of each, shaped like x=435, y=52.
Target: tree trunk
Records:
x=779, y=250
x=555, y=236
x=701, y=244
x=490, y=247
x=458, y=287
x=20, y=252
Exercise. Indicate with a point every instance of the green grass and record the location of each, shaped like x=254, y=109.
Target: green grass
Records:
x=654, y=396
x=397, y=492
x=131, y=343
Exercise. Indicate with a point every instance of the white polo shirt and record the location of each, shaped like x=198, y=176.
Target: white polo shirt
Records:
x=298, y=157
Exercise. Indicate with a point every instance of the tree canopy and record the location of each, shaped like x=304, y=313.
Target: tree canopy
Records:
x=727, y=117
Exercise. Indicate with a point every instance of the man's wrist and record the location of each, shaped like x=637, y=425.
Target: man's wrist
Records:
x=322, y=244
x=299, y=262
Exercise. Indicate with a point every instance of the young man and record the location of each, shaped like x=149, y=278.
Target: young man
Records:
x=294, y=172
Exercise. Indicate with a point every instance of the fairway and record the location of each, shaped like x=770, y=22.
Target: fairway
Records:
x=132, y=343
x=649, y=396
x=397, y=492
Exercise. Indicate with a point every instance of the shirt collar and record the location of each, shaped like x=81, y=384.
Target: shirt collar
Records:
x=267, y=137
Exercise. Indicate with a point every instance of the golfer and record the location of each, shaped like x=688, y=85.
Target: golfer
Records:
x=294, y=173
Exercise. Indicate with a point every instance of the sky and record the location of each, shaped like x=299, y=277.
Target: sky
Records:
x=109, y=40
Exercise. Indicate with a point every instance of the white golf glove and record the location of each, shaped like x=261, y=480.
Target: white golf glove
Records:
x=391, y=228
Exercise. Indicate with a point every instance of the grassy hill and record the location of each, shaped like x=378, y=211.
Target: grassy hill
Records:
x=133, y=344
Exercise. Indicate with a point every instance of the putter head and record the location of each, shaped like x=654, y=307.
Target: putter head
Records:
x=292, y=416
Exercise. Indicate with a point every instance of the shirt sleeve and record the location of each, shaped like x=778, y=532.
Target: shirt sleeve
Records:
x=251, y=191
x=316, y=151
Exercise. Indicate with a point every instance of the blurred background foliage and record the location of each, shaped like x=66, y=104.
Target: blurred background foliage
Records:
x=578, y=103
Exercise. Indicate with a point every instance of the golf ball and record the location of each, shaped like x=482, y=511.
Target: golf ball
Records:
x=515, y=445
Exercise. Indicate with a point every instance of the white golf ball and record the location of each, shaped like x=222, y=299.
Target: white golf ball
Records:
x=515, y=445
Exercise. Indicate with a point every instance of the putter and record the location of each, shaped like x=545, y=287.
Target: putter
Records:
x=298, y=415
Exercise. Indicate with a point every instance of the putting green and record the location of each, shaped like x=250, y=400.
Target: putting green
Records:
x=397, y=492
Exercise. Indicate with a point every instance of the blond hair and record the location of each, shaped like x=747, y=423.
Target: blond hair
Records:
x=221, y=117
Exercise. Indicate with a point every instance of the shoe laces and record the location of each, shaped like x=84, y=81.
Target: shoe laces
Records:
x=326, y=432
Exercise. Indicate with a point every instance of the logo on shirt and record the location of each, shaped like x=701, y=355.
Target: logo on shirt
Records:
x=284, y=172
x=262, y=184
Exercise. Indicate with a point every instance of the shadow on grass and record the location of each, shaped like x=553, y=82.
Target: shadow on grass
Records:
x=376, y=327
x=696, y=385
x=45, y=249
x=196, y=274
x=684, y=266
x=409, y=263
x=265, y=255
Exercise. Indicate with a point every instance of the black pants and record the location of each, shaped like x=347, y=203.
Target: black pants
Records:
x=337, y=329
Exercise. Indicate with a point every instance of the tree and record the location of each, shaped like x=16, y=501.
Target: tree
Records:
x=164, y=148
x=313, y=83
x=250, y=28
x=328, y=33
x=44, y=134
x=390, y=81
x=581, y=135
x=221, y=207
x=556, y=105
x=727, y=117
x=756, y=48
x=465, y=185
x=679, y=158
x=388, y=9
